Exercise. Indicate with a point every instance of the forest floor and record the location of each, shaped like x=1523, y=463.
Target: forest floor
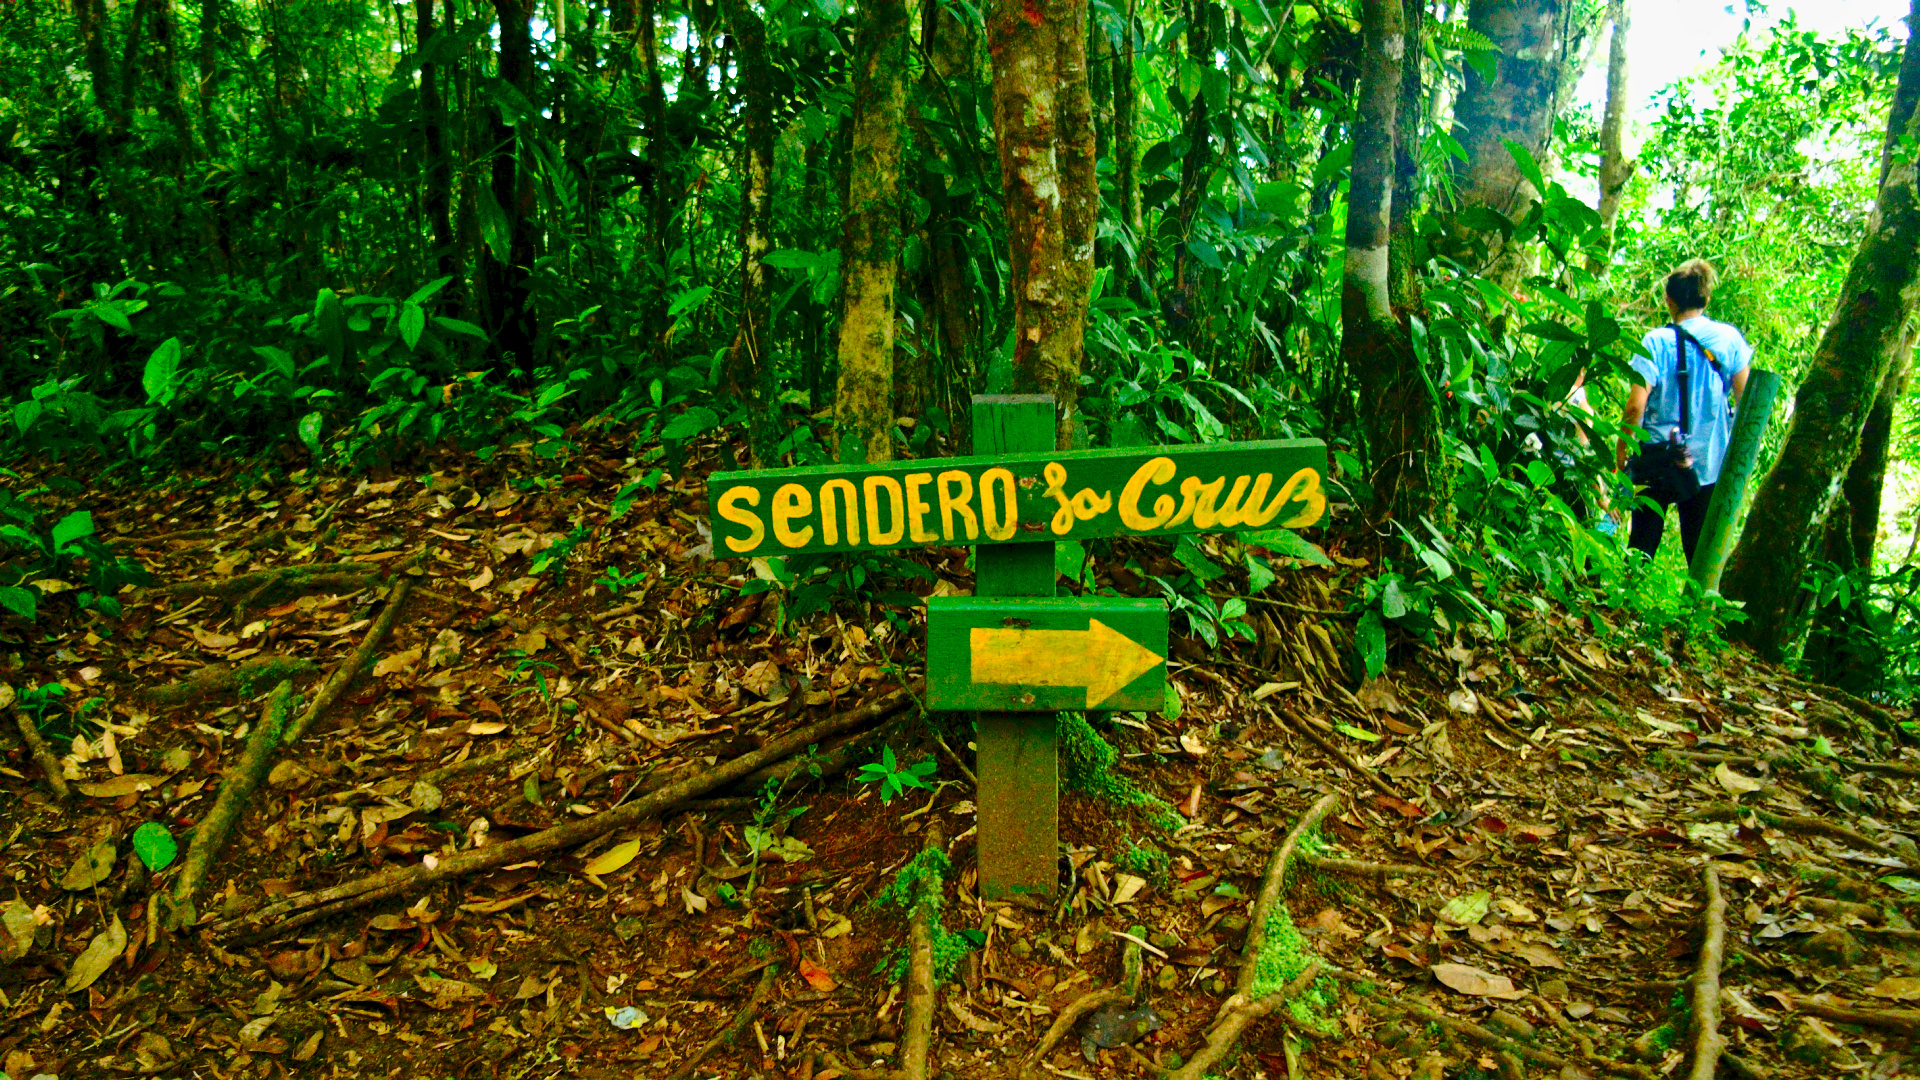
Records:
x=1531, y=826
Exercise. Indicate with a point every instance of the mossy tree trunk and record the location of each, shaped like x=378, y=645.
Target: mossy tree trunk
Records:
x=506, y=259
x=749, y=372
x=1126, y=153
x=1835, y=400
x=1043, y=118
x=1400, y=419
x=1517, y=104
x=947, y=295
x=437, y=200
x=870, y=247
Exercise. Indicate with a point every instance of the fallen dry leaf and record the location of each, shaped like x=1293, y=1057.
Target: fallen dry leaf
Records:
x=1734, y=782
x=481, y=580
x=613, y=858
x=817, y=977
x=1476, y=983
x=98, y=956
x=399, y=661
x=130, y=784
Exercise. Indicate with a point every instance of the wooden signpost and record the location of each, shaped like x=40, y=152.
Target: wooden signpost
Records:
x=1013, y=653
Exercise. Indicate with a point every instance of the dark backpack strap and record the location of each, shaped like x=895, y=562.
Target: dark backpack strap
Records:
x=1680, y=339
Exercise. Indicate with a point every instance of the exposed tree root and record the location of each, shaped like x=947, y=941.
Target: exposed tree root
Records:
x=221, y=679
x=829, y=762
x=1365, y=868
x=349, y=668
x=1708, y=1043
x=480, y=764
x=331, y=577
x=1372, y=778
x=1526, y=1051
x=1865, y=710
x=1271, y=892
x=37, y=747
x=916, y=1028
x=1907, y=1020
x=303, y=908
x=210, y=836
x=1805, y=826
x=1131, y=969
x=1234, y=1020
x=738, y=1024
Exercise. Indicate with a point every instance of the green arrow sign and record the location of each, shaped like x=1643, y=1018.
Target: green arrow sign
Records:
x=1018, y=498
x=1022, y=654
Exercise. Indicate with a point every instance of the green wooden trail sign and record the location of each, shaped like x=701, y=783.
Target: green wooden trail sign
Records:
x=1046, y=654
x=1018, y=498
x=1013, y=653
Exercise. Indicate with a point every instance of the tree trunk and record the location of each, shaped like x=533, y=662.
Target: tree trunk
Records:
x=1404, y=285
x=438, y=200
x=1126, y=151
x=508, y=303
x=749, y=368
x=1399, y=417
x=165, y=62
x=1866, y=477
x=129, y=63
x=1836, y=398
x=1516, y=105
x=210, y=17
x=948, y=298
x=1615, y=168
x=1037, y=113
x=91, y=18
x=870, y=250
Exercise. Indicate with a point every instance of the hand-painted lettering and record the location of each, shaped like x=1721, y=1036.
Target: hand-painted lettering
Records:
x=918, y=508
x=790, y=503
x=829, y=514
x=897, y=511
x=1158, y=471
x=999, y=522
x=730, y=508
x=956, y=491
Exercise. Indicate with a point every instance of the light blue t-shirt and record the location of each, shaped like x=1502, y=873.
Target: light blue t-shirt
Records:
x=1712, y=420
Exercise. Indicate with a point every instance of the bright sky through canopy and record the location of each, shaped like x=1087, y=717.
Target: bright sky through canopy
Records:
x=1671, y=39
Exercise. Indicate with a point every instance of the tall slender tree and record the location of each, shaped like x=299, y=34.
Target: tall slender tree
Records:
x=1836, y=399
x=437, y=199
x=1615, y=167
x=749, y=368
x=1515, y=105
x=1043, y=118
x=506, y=261
x=870, y=249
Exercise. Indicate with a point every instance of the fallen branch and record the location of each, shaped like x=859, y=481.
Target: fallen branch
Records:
x=302, y=908
x=37, y=747
x=1131, y=970
x=734, y=1027
x=1708, y=1043
x=1271, y=890
x=481, y=764
x=1372, y=778
x=221, y=679
x=916, y=1029
x=349, y=668
x=210, y=836
x=1234, y=1021
x=829, y=762
x=1907, y=1020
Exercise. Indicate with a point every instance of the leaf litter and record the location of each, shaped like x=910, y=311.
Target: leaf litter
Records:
x=1543, y=885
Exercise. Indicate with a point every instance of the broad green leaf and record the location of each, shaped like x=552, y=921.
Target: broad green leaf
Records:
x=1259, y=574
x=1288, y=544
x=424, y=292
x=1356, y=732
x=689, y=300
x=21, y=602
x=163, y=367
x=690, y=423
x=459, y=326
x=155, y=845
x=310, y=432
x=413, y=322
x=74, y=527
x=1529, y=168
x=112, y=316
x=1539, y=473
x=495, y=229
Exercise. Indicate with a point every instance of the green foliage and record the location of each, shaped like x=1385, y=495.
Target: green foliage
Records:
x=616, y=582
x=894, y=777
x=918, y=890
x=29, y=558
x=1284, y=957
x=1144, y=860
x=155, y=845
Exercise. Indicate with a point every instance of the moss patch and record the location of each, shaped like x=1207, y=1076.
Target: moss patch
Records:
x=1087, y=765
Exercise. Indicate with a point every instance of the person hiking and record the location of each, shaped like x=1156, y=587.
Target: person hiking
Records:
x=1695, y=368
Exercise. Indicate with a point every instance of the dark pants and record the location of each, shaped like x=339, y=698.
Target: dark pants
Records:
x=1650, y=525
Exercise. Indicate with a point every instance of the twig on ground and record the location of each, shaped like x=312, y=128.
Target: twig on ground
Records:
x=210, y=836
x=740, y=1022
x=1577, y=672
x=1907, y=1020
x=302, y=908
x=639, y=602
x=481, y=764
x=37, y=747
x=916, y=1029
x=1372, y=778
x=1131, y=970
x=1271, y=891
x=972, y=780
x=349, y=668
x=220, y=679
x=339, y=577
x=1235, y=1019
x=1708, y=1043
x=1466, y=1029
x=1865, y=710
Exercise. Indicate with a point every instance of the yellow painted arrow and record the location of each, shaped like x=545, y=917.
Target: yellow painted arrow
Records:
x=1099, y=658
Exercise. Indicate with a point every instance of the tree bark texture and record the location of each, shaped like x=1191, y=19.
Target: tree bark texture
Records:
x=749, y=368
x=1126, y=151
x=870, y=248
x=508, y=303
x=1404, y=284
x=1615, y=168
x=206, y=90
x=948, y=298
x=91, y=19
x=1516, y=105
x=1835, y=400
x=1042, y=116
x=1399, y=417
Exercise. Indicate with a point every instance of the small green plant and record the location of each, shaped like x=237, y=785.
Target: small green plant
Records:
x=53, y=554
x=616, y=582
x=763, y=835
x=529, y=668
x=894, y=778
x=919, y=891
x=555, y=558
